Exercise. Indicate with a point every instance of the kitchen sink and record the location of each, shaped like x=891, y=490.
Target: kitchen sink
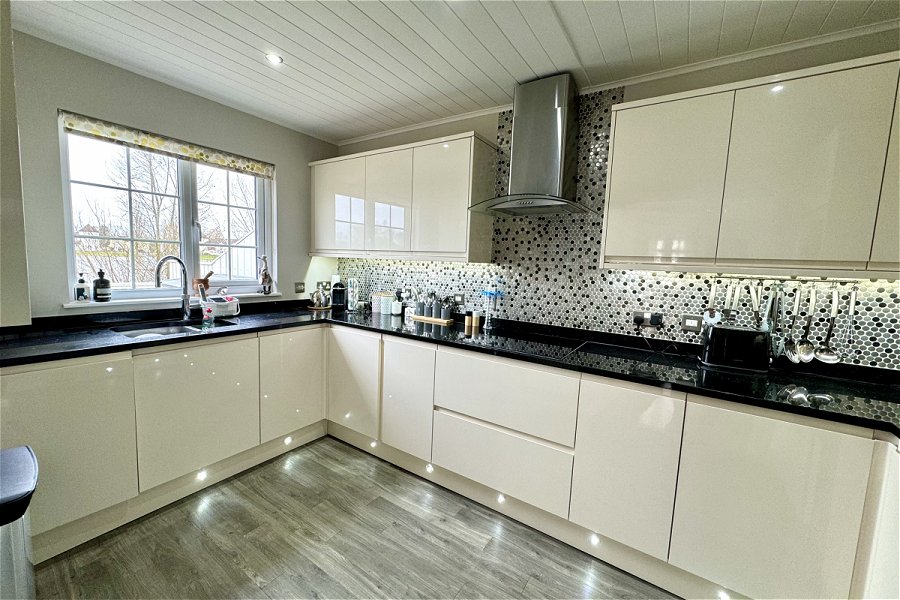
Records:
x=156, y=330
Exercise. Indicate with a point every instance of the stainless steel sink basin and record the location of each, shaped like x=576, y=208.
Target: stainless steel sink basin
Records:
x=157, y=330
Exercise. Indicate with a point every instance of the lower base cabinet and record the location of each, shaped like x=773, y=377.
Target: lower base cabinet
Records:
x=524, y=468
x=78, y=416
x=291, y=382
x=196, y=405
x=407, y=396
x=626, y=462
x=354, y=369
x=767, y=508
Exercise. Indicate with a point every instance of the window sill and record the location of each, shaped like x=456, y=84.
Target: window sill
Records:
x=152, y=303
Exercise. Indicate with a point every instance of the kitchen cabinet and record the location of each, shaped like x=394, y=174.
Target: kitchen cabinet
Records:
x=768, y=508
x=667, y=178
x=532, y=399
x=354, y=373
x=339, y=205
x=410, y=201
x=407, y=396
x=626, y=462
x=292, y=381
x=805, y=169
x=535, y=473
x=78, y=416
x=886, y=244
x=197, y=403
x=389, y=183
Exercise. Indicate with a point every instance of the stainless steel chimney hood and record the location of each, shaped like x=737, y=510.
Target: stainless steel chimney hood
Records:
x=542, y=152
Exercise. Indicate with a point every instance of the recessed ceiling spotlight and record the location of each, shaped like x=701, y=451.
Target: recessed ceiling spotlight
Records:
x=777, y=88
x=274, y=59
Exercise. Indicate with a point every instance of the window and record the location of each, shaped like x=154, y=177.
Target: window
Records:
x=129, y=207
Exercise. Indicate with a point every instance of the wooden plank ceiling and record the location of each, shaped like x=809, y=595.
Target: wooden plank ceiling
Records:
x=356, y=68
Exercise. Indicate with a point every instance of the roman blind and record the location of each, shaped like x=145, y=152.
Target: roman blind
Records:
x=144, y=140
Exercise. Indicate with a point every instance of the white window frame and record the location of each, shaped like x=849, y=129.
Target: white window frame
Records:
x=189, y=230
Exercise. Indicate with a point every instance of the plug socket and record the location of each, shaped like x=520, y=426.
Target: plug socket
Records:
x=647, y=319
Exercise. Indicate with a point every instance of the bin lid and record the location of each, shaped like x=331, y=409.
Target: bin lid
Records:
x=18, y=480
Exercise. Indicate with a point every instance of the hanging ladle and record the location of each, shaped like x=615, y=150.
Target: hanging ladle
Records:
x=790, y=346
x=825, y=353
x=805, y=348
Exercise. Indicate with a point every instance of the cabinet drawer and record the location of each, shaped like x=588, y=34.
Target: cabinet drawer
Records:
x=528, y=470
x=539, y=401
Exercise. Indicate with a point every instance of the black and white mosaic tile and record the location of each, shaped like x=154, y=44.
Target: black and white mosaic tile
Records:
x=549, y=266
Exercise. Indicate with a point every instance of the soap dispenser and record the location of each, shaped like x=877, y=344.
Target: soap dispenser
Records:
x=82, y=290
x=102, y=288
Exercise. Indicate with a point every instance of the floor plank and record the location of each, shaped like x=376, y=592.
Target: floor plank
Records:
x=329, y=521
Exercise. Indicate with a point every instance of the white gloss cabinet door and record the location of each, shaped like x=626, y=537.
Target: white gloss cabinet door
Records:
x=441, y=186
x=196, y=405
x=339, y=205
x=768, y=508
x=389, y=201
x=805, y=167
x=532, y=399
x=407, y=396
x=626, y=462
x=292, y=381
x=667, y=178
x=78, y=416
x=354, y=370
x=886, y=245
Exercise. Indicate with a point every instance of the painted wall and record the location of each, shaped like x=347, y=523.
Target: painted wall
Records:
x=15, y=308
x=50, y=77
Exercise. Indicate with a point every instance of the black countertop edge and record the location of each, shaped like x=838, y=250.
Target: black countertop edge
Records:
x=565, y=348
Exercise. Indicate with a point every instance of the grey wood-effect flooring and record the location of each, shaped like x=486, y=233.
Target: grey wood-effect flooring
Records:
x=328, y=521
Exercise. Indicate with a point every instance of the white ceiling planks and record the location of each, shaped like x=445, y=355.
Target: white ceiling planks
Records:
x=354, y=69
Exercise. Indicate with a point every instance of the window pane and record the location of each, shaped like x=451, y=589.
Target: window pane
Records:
x=146, y=255
x=212, y=184
x=243, y=227
x=154, y=173
x=382, y=214
x=155, y=217
x=358, y=210
x=215, y=259
x=242, y=190
x=113, y=256
x=397, y=217
x=99, y=211
x=94, y=161
x=243, y=263
x=341, y=208
x=213, y=223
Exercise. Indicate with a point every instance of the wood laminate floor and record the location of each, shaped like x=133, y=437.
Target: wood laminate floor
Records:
x=327, y=520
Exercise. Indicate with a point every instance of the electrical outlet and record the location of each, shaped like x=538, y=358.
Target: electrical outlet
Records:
x=459, y=299
x=691, y=323
x=325, y=285
x=299, y=287
x=647, y=319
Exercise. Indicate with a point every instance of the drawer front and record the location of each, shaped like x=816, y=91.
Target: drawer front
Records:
x=536, y=400
x=524, y=469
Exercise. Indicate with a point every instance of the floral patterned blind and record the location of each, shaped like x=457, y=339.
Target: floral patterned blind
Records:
x=145, y=140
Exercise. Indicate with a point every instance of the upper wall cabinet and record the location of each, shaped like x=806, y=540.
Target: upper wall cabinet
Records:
x=669, y=174
x=784, y=173
x=886, y=245
x=339, y=206
x=805, y=169
x=407, y=201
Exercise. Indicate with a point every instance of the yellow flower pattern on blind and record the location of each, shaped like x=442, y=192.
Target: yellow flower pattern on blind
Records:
x=145, y=140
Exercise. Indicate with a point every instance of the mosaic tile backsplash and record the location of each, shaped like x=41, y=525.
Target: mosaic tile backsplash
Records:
x=550, y=274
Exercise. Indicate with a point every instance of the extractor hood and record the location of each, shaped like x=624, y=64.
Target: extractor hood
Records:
x=542, y=152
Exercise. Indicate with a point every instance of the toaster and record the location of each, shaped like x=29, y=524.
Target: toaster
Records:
x=736, y=348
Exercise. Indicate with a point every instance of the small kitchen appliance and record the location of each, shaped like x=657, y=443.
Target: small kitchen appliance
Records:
x=736, y=347
x=338, y=297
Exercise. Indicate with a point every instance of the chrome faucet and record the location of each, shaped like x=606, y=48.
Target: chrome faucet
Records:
x=185, y=296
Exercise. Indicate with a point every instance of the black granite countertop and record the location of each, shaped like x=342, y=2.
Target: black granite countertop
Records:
x=865, y=401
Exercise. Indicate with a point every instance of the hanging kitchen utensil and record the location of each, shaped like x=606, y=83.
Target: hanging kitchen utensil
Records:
x=790, y=346
x=711, y=316
x=825, y=353
x=851, y=314
x=805, y=348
